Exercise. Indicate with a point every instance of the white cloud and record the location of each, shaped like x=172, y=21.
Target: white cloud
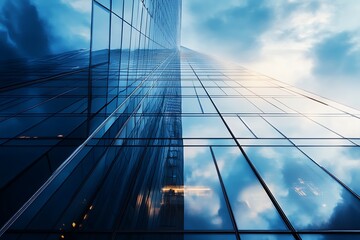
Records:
x=79, y=5
x=285, y=49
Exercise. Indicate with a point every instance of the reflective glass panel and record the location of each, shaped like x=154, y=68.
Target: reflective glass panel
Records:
x=266, y=237
x=200, y=127
x=310, y=198
x=343, y=162
x=333, y=236
x=100, y=32
x=235, y=105
x=300, y=127
x=204, y=203
x=250, y=204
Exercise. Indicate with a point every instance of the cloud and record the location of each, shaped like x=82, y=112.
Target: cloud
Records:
x=241, y=25
x=24, y=32
x=295, y=41
x=79, y=5
x=336, y=67
x=8, y=49
x=69, y=24
x=225, y=25
x=336, y=55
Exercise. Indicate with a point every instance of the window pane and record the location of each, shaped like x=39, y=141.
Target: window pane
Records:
x=204, y=203
x=310, y=198
x=253, y=209
x=100, y=40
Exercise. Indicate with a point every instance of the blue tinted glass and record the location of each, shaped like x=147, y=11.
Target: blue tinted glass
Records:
x=105, y=3
x=128, y=8
x=343, y=162
x=117, y=7
x=204, y=203
x=333, y=236
x=198, y=127
x=252, y=207
x=309, y=197
x=266, y=237
x=100, y=32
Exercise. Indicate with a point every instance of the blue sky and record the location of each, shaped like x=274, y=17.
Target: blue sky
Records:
x=312, y=44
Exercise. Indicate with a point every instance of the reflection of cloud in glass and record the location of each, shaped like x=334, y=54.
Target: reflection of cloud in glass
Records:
x=314, y=199
x=207, y=210
x=28, y=30
x=252, y=207
x=23, y=32
x=343, y=162
x=253, y=197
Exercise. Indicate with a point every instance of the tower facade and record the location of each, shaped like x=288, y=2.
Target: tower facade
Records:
x=129, y=136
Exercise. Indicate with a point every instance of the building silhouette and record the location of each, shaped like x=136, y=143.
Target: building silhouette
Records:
x=117, y=132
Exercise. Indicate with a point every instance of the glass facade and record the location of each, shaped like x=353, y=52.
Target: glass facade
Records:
x=119, y=133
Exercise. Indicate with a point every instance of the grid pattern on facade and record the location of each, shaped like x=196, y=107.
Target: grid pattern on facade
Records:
x=208, y=148
x=50, y=105
x=155, y=142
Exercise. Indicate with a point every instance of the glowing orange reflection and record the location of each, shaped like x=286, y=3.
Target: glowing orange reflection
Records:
x=186, y=189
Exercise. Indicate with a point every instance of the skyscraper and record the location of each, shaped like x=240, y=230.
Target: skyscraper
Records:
x=141, y=139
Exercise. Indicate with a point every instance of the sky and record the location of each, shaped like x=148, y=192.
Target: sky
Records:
x=27, y=31
x=311, y=44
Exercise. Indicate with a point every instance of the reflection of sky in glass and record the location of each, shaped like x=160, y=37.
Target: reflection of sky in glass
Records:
x=346, y=126
x=343, y=162
x=51, y=27
x=190, y=105
x=209, y=237
x=238, y=128
x=330, y=236
x=204, y=208
x=235, y=105
x=266, y=237
x=306, y=105
x=100, y=28
x=261, y=128
x=204, y=127
x=300, y=127
x=310, y=198
x=252, y=207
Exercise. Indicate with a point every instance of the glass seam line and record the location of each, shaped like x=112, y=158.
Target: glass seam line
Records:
x=321, y=167
x=262, y=182
x=225, y=194
x=7, y=225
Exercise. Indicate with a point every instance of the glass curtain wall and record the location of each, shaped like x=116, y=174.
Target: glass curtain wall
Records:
x=71, y=68
x=150, y=141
